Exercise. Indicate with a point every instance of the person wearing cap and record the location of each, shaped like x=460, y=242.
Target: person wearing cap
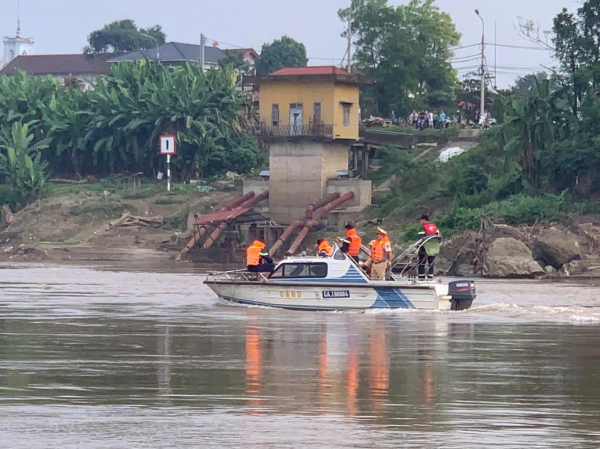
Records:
x=257, y=259
x=325, y=249
x=381, y=256
x=351, y=243
x=429, y=250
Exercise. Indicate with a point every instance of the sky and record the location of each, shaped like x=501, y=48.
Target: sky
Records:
x=62, y=26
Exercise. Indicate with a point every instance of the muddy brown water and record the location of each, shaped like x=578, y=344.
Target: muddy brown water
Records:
x=106, y=358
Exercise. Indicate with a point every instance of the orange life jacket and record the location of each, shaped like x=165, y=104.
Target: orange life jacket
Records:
x=377, y=250
x=325, y=247
x=253, y=253
x=355, y=242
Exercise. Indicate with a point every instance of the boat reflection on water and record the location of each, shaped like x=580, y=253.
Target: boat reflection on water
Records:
x=253, y=369
x=345, y=368
x=379, y=367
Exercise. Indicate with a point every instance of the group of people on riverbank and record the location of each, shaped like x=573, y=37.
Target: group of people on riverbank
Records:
x=428, y=120
x=380, y=256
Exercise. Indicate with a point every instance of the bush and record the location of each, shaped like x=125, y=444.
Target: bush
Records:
x=518, y=209
x=10, y=196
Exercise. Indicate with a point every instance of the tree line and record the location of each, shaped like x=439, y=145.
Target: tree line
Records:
x=47, y=128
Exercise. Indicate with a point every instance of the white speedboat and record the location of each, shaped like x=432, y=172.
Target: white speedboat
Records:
x=336, y=284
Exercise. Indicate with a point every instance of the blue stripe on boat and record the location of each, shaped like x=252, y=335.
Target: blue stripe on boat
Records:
x=391, y=298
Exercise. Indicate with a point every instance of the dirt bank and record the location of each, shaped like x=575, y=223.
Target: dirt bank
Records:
x=74, y=223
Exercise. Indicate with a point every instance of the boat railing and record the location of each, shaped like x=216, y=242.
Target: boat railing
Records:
x=409, y=260
x=238, y=275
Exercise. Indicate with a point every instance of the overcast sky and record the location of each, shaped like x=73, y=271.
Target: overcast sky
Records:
x=61, y=26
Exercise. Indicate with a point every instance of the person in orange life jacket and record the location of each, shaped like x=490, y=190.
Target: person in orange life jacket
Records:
x=427, y=257
x=351, y=243
x=325, y=249
x=381, y=256
x=257, y=259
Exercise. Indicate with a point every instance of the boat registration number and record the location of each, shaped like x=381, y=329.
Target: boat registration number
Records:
x=336, y=294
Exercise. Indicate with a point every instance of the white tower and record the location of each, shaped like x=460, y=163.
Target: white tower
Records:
x=16, y=46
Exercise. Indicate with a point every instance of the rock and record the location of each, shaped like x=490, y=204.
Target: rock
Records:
x=463, y=269
x=555, y=247
x=550, y=270
x=502, y=231
x=458, y=256
x=575, y=267
x=510, y=258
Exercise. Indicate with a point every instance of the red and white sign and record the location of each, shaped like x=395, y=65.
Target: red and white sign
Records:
x=168, y=146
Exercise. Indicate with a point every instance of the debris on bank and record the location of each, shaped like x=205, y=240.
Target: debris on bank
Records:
x=131, y=220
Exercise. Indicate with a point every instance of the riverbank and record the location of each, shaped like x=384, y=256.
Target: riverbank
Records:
x=107, y=221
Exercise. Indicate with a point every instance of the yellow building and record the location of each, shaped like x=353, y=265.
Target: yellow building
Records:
x=310, y=101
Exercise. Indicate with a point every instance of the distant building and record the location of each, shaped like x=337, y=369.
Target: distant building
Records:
x=311, y=101
x=77, y=68
x=174, y=53
x=309, y=120
x=249, y=56
x=16, y=46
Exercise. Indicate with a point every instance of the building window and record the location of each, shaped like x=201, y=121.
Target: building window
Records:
x=317, y=117
x=275, y=115
x=11, y=55
x=347, y=108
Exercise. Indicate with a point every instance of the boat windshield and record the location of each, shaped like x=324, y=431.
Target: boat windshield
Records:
x=300, y=270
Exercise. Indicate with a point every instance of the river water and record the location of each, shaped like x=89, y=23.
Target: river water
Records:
x=103, y=358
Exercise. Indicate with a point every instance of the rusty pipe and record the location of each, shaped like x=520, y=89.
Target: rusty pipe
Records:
x=214, y=236
x=254, y=201
x=286, y=235
x=323, y=214
x=307, y=227
x=198, y=235
x=318, y=204
x=239, y=201
x=219, y=230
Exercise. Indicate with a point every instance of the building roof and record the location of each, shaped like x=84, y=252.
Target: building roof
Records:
x=174, y=52
x=311, y=71
x=244, y=51
x=58, y=65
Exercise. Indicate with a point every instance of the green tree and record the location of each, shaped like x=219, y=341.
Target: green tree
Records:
x=124, y=36
x=405, y=49
x=284, y=52
x=21, y=162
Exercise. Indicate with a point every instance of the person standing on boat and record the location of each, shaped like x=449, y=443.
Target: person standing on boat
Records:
x=381, y=256
x=257, y=259
x=430, y=249
x=325, y=249
x=351, y=244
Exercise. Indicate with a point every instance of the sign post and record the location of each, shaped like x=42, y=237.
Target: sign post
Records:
x=168, y=148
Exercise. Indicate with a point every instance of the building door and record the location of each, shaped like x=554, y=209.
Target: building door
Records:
x=296, y=119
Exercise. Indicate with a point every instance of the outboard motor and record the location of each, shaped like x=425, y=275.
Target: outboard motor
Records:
x=463, y=294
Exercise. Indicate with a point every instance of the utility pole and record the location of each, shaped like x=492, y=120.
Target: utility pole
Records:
x=202, y=45
x=495, y=56
x=482, y=104
x=350, y=42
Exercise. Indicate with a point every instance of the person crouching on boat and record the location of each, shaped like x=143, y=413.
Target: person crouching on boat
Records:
x=381, y=256
x=351, y=244
x=428, y=251
x=257, y=259
x=325, y=249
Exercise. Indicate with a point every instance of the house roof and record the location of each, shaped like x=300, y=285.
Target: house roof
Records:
x=174, y=52
x=311, y=71
x=57, y=65
x=244, y=51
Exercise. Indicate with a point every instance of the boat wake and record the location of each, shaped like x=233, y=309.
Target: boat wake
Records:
x=573, y=314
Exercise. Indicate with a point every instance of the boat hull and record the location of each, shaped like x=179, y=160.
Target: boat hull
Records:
x=334, y=297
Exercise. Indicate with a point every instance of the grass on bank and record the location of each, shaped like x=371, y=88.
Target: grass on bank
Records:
x=460, y=193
